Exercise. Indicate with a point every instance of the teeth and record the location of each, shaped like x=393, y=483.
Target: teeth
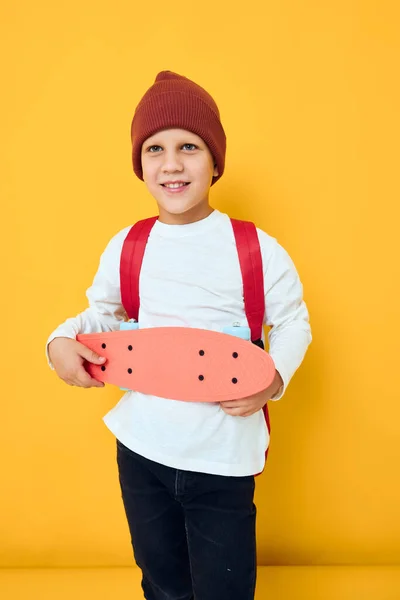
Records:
x=174, y=185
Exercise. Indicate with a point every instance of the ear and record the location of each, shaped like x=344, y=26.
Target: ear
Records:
x=216, y=173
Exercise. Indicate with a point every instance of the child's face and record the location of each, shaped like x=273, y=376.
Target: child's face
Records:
x=177, y=155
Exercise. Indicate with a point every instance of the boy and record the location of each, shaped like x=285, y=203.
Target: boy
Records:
x=187, y=469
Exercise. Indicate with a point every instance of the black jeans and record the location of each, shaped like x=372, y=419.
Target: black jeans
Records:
x=193, y=534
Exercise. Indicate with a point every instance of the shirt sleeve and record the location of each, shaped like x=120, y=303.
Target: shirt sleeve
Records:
x=285, y=311
x=105, y=311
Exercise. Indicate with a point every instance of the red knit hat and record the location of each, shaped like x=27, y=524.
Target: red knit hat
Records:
x=174, y=101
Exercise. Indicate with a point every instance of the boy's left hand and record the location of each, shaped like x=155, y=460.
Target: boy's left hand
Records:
x=244, y=407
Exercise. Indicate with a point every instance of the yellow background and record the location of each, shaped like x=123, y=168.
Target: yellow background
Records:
x=309, y=97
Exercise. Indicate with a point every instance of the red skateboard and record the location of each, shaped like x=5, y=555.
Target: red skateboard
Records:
x=193, y=365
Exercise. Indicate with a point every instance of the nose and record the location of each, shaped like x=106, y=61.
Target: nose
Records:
x=172, y=162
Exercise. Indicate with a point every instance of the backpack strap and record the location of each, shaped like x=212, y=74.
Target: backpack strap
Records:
x=251, y=266
x=131, y=264
x=250, y=259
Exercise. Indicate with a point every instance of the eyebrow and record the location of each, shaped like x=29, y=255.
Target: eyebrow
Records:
x=157, y=142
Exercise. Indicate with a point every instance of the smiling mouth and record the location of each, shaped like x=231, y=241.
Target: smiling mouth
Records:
x=175, y=186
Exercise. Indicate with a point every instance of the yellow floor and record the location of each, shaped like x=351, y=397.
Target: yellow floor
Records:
x=274, y=583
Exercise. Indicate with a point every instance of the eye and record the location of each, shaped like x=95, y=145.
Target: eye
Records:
x=155, y=148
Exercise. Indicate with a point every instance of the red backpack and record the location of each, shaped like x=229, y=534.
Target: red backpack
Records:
x=251, y=267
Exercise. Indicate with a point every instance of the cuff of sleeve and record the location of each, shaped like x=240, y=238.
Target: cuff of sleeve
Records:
x=285, y=380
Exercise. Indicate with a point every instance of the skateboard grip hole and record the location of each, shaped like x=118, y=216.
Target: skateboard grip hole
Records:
x=130, y=348
x=103, y=368
x=103, y=346
x=201, y=352
x=234, y=380
x=129, y=371
x=235, y=355
x=201, y=377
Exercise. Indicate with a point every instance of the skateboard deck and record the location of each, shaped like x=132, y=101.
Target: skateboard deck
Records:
x=188, y=364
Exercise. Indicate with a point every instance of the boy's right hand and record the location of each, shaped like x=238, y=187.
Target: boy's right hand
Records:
x=67, y=356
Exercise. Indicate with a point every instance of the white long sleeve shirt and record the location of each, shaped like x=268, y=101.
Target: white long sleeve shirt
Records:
x=191, y=277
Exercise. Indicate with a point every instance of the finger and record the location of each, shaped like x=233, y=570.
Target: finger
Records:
x=234, y=404
x=96, y=383
x=74, y=378
x=234, y=412
x=83, y=379
x=91, y=356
